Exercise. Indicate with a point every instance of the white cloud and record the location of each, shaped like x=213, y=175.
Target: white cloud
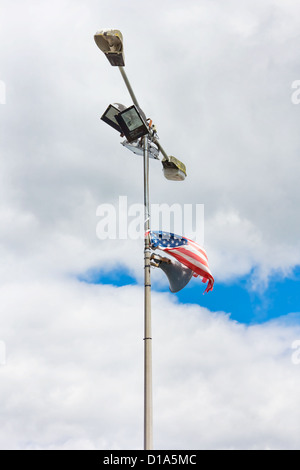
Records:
x=215, y=78
x=74, y=370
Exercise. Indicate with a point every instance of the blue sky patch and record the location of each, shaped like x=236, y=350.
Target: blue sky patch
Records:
x=282, y=296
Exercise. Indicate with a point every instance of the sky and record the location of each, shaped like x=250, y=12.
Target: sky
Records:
x=220, y=80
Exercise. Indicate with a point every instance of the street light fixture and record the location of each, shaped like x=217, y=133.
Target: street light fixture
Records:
x=140, y=134
x=110, y=41
x=174, y=169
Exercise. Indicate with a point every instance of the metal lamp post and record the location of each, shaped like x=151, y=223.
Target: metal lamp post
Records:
x=111, y=43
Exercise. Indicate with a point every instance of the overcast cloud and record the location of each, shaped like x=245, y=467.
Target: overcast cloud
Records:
x=73, y=377
x=216, y=77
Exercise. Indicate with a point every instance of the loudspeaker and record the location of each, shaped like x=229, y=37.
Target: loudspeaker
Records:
x=178, y=275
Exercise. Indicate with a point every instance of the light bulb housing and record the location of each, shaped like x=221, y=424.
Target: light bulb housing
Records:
x=132, y=123
x=109, y=116
x=174, y=169
x=110, y=41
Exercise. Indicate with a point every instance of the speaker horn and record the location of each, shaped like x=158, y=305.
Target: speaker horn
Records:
x=178, y=275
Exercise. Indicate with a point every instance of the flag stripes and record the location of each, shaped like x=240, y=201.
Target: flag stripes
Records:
x=187, y=252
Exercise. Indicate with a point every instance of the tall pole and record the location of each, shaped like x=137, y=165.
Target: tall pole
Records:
x=148, y=409
x=148, y=420
x=111, y=43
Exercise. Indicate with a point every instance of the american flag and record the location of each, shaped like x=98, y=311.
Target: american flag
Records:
x=186, y=252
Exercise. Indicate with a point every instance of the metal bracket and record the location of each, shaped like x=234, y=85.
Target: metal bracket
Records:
x=155, y=260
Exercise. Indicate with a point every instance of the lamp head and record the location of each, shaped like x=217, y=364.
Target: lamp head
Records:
x=174, y=169
x=110, y=41
x=109, y=116
x=132, y=123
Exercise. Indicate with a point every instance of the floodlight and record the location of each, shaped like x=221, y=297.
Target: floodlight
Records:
x=110, y=115
x=110, y=41
x=174, y=169
x=132, y=123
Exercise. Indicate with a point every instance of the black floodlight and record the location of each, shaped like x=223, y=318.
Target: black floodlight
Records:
x=110, y=115
x=132, y=123
x=110, y=41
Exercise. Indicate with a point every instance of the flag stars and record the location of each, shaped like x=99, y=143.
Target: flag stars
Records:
x=168, y=240
x=193, y=258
